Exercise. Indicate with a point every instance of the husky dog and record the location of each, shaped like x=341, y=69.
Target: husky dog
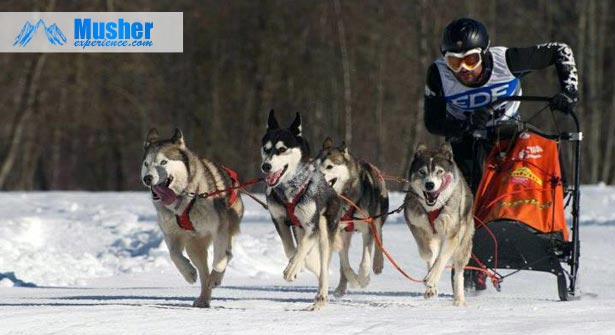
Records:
x=362, y=183
x=303, y=206
x=190, y=222
x=438, y=210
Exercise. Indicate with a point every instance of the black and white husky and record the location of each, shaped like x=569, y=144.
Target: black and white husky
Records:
x=303, y=206
x=176, y=177
x=363, y=184
x=438, y=210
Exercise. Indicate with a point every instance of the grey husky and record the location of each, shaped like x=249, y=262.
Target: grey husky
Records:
x=363, y=184
x=438, y=210
x=304, y=207
x=176, y=178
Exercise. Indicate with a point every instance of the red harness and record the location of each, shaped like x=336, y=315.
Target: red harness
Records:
x=290, y=206
x=349, y=216
x=433, y=215
x=183, y=220
x=235, y=191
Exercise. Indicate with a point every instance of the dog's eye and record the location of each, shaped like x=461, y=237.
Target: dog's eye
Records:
x=329, y=167
x=422, y=172
x=282, y=150
x=439, y=172
x=163, y=162
x=145, y=163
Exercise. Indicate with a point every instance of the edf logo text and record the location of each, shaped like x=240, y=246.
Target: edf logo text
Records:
x=483, y=96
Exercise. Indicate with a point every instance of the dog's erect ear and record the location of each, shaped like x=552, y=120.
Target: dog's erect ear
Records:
x=152, y=136
x=420, y=149
x=178, y=138
x=343, y=147
x=447, y=150
x=272, y=123
x=327, y=144
x=295, y=127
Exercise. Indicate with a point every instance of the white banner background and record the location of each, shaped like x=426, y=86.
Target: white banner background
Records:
x=166, y=34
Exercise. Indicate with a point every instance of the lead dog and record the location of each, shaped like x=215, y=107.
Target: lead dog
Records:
x=176, y=177
x=438, y=210
x=363, y=184
x=303, y=206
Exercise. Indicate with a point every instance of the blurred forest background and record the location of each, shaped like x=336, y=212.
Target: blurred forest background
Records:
x=354, y=69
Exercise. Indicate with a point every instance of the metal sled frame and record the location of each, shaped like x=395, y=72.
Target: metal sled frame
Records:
x=510, y=244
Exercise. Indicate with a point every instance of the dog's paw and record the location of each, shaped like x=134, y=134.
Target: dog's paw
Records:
x=340, y=291
x=459, y=302
x=378, y=265
x=291, y=271
x=201, y=302
x=189, y=272
x=431, y=292
x=215, y=279
x=319, y=302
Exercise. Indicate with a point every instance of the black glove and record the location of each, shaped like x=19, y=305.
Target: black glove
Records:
x=480, y=117
x=564, y=102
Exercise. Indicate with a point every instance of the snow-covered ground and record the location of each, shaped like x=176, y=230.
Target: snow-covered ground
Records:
x=94, y=263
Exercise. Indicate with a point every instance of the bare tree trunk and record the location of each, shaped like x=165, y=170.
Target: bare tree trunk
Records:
x=346, y=67
x=31, y=147
x=380, y=143
x=601, y=103
x=421, y=66
x=56, y=141
x=608, y=174
x=493, y=20
x=593, y=89
x=22, y=122
x=78, y=104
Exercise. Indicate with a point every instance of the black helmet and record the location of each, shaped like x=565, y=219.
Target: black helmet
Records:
x=463, y=35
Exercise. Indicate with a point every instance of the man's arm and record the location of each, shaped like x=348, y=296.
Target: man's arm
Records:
x=524, y=60
x=435, y=117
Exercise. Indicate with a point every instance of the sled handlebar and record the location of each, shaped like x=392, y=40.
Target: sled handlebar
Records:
x=514, y=125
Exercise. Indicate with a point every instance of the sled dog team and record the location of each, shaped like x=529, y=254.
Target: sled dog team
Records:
x=198, y=205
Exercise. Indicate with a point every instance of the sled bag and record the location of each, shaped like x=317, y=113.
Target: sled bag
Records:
x=522, y=181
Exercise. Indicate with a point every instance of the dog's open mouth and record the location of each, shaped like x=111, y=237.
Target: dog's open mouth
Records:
x=332, y=181
x=273, y=178
x=166, y=183
x=431, y=197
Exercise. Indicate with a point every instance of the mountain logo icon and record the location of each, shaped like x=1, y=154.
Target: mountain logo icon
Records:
x=27, y=33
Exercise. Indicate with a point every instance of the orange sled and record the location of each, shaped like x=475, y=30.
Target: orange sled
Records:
x=519, y=205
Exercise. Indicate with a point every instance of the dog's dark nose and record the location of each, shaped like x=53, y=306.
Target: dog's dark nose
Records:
x=266, y=167
x=429, y=185
x=148, y=179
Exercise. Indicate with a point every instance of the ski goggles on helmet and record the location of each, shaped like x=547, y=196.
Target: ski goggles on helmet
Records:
x=468, y=60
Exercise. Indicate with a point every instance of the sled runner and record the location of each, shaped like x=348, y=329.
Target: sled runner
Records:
x=520, y=203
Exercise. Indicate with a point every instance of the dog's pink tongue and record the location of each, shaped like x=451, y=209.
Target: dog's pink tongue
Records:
x=167, y=196
x=273, y=177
